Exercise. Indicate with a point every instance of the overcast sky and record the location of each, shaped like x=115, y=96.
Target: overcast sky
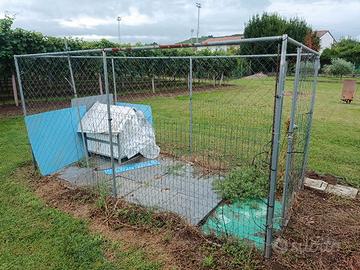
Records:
x=166, y=21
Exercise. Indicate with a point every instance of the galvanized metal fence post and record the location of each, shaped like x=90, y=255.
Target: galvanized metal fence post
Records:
x=190, y=104
x=23, y=105
x=290, y=135
x=114, y=79
x=275, y=148
x=73, y=86
x=310, y=119
x=108, y=103
x=20, y=86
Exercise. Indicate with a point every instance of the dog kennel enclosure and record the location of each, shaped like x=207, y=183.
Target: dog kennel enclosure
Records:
x=219, y=138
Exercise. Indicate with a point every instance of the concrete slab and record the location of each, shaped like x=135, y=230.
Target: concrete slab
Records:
x=341, y=190
x=152, y=197
x=77, y=176
x=174, y=186
x=193, y=209
x=193, y=188
x=315, y=184
x=126, y=186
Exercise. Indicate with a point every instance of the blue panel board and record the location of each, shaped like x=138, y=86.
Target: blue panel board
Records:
x=133, y=166
x=146, y=109
x=54, y=138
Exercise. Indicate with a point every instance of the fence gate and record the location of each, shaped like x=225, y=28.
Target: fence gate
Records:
x=298, y=125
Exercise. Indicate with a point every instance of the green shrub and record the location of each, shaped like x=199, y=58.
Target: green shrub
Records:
x=242, y=184
x=339, y=67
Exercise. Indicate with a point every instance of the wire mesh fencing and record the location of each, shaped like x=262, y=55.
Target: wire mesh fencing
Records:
x=201, y=135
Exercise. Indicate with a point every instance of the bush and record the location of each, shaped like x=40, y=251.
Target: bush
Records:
x=339, y=67
x=242, y=184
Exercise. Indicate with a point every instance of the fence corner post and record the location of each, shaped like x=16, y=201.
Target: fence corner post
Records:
x=108, y=102
x=190, y=104
x=275, y=149
x=290, y=136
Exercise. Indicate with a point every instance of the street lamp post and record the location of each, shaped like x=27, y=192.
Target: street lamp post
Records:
x=118, y=20
x=191, y=35
x=198, y=5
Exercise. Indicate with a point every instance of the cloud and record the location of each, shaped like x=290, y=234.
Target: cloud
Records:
x=335, y=15
x=170, y=21
x=84, y=22
x=134, y=18
x=94, y=37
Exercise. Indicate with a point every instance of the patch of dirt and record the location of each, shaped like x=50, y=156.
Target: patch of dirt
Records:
x=256, y=76
x=171, y=241
x=7, y=110
x=323, y=233
x=331, y=179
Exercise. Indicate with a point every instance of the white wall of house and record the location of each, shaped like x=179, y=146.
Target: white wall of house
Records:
x=326, y=41
x=221, y=48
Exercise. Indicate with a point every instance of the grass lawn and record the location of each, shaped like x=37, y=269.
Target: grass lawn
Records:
x=34, y=236
x=335, y=143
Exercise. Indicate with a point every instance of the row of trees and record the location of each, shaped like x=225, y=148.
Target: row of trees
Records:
x=19, y=41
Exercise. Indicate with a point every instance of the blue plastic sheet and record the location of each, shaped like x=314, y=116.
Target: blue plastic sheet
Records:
x=54, y=139
x=246, y=220
x=133, y=166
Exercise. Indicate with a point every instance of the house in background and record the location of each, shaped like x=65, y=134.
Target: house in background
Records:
x=211, y=40
x=326, y=39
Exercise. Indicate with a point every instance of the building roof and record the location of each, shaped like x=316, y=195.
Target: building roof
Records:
x=223, y=38
x=320, y=33
x=193, y=40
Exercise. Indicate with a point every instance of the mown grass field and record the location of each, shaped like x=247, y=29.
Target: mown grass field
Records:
x=34, y=236
x=236, y=122
x=335, y=144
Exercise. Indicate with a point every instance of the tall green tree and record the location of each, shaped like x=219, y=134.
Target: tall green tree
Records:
x=274, y=25
x=347, y=49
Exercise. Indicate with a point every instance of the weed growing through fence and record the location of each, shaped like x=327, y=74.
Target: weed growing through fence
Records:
x=243, y=183
x=242, y=253
x=102, y=192
x=208, y=262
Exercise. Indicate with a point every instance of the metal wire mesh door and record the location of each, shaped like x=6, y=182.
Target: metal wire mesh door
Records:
x=298, y=126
